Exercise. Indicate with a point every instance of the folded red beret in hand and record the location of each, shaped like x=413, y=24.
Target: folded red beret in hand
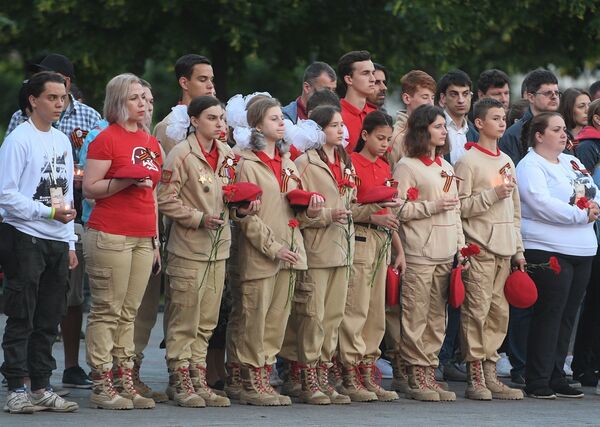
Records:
x=132, y=171
x=456, y=292
x=241, y=192
x=377, y=194
x=301, y=198
x=392, y=287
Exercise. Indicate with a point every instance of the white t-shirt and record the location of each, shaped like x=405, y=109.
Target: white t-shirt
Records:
x=550, y=219
x=32, y=161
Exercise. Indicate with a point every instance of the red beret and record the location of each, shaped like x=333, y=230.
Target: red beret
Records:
x=456, y=292
x=241, y=192
x=377, y=194
x=301, y=198
x=392, y=287
x=133, y=171
x=520, y=291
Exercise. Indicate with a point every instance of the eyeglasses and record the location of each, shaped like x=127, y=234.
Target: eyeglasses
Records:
x=550, y=93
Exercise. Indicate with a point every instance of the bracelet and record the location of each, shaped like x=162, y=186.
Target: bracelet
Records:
x=52, y=213
x=108, y=187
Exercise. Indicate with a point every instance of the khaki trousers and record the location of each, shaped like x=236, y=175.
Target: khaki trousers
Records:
x=484, y=314
x=118, y=268
x=264, y=315
x=196, y=288
x=363, y=325
x=317, y=312
x=424, y=297
x=392, y=330
x=235, y=291
x=146, y=316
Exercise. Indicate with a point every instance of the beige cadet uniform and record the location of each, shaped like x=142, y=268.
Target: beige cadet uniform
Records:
x=320, y=297
x=264, y=280
x=494, y=225
x=431, y=239
x=189, y=190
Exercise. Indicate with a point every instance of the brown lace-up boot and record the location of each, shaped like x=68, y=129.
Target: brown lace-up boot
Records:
x=253, y=391
x=211, y=398
x=419, y=389
x=476, y=388
x=326, y=387
x=498, y=388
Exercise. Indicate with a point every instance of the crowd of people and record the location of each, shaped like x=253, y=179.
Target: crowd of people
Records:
x=305, y=240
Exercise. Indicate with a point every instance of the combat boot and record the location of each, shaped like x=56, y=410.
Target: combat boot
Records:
x=124, y=383
x=326, y=387
x=371, y=379
x=418, y=387
x=181, y=390
x=445, y=395
x=353, y=387
x=253, y=391
x=311, y=391
x=476, y=387
x=104, y=395
x=498, y=388
x=211, y=398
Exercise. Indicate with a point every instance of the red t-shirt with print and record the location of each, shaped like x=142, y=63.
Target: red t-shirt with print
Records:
x=130, y=212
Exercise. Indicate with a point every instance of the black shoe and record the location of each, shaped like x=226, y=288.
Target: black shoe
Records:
x=541, y=393
x=587, y=379
x=574, y=383
x=566, y=390
x=162, y=344
x=75, y=377
x=517, y=380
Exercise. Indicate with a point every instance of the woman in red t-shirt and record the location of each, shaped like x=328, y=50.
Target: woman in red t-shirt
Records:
x=120, y=246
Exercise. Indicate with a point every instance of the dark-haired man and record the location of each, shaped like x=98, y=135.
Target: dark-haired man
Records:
x=37, y=245
x=541, y=90
x=317, y=75
x=377, y=97
x=195, y=77
x=356, y=82
x=494, y=84
x=454, y=89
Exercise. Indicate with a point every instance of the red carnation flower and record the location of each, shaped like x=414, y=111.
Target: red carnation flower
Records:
x=412, y=194
x=583, y=203
x=470, y=250
x=293, y=223
x=554, y=265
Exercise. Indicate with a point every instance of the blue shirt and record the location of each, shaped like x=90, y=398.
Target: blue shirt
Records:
x=93, y=133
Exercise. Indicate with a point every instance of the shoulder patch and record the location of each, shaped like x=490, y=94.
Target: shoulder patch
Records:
x=166, y=175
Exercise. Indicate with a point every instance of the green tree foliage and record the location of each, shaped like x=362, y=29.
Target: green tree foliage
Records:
x=258, y=45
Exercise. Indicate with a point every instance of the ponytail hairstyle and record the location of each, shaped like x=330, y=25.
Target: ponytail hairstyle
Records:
x=257, y=110
x=323, y=115
x=372, y=121
x=537, y=124
x=417, y=139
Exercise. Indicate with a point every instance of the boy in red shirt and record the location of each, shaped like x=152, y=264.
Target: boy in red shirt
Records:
x=356, y=82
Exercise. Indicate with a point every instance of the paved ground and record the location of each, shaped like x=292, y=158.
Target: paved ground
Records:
x=530, y=412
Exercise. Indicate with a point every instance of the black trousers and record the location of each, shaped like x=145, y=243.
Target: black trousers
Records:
x=559, y=298
x=586, y=351
x=35, y=296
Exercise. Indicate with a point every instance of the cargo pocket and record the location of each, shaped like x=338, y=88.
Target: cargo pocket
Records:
x=361, y=246
x=304, y=298
x=182, y=285
x=15, y=299
x=250, y=295
x=113, y=242
x=100, y=285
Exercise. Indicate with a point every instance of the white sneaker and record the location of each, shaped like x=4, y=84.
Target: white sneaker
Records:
x=17, y=402
x=50, y=401
x=503, y=366
x=385, y=368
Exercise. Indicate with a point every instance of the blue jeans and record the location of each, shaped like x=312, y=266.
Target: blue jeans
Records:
x=451, y=344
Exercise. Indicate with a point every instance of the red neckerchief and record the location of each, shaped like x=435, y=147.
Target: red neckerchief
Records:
x=470, y=145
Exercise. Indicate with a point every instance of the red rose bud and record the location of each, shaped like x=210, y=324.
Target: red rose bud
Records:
x=583, y=203
x=412, y=194
x=293, y=223
x=554, y=265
